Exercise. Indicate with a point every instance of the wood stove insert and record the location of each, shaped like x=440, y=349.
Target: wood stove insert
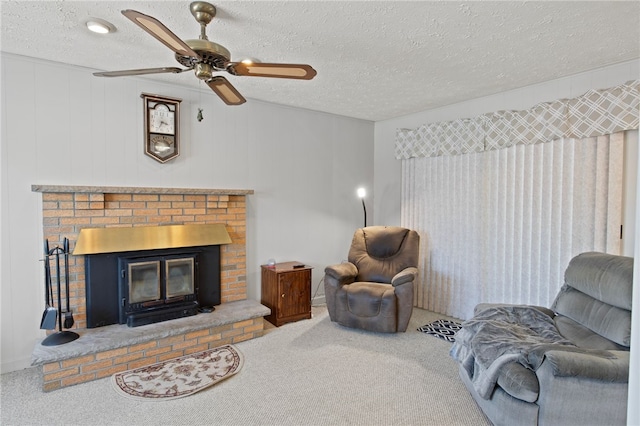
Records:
x=148, y=286
x=139, y=276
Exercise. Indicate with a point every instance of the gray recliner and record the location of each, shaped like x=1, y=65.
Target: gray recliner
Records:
x=374, y=289
x=579, y=374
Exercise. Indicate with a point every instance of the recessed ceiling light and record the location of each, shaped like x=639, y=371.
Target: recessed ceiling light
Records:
x=100, y=26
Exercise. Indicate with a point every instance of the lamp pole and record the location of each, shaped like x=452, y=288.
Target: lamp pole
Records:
x=362, y=193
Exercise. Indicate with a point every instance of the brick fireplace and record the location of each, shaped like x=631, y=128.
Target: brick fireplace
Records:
x=68, y=209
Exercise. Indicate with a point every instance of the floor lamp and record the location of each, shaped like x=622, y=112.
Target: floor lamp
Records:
x=363, y=193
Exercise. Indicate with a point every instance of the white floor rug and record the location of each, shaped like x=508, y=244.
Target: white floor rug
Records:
x=179, y=377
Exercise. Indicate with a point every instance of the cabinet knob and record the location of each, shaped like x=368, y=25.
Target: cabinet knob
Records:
x=282, y=295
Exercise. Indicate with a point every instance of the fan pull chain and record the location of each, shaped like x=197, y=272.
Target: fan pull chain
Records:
x=199, y=116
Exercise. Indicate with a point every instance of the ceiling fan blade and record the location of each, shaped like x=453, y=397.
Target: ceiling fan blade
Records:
x=297, y=71
x=160, y=32
x=226, y=91
x=140, y=72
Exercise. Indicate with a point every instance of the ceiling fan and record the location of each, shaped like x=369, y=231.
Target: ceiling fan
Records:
x=206, y=57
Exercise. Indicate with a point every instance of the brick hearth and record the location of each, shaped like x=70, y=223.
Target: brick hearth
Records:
x=103, y=351
x=68, y=209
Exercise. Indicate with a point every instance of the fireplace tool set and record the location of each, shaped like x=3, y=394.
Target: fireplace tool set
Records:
x=51, y=312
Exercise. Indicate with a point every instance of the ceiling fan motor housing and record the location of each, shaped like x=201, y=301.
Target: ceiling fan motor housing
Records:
x=211, y=53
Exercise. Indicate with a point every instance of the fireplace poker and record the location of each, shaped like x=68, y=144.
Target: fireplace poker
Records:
x=68, y=315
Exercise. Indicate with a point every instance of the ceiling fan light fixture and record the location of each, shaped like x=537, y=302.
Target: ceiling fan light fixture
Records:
x=203, y=71
x=100, y=26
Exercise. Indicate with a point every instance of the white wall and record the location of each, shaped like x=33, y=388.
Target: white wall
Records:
x=387, y=180
x=61, y=125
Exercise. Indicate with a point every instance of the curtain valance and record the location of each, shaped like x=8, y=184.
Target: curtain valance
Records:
x=596, y=113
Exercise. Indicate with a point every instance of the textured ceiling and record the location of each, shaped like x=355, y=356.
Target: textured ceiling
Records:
x=375, y=60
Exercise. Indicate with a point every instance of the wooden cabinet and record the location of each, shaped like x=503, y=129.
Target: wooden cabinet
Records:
x=287, y=292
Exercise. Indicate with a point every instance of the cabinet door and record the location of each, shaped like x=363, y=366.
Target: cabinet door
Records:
x=295, y=293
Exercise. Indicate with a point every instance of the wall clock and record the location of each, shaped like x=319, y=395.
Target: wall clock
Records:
x=161, y=127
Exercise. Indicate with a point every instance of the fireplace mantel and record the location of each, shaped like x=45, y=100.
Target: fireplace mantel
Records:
x=136, y=190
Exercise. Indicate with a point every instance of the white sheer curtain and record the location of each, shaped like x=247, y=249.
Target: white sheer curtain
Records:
x=501, y=226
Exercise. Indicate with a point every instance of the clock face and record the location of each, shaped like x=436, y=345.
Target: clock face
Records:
x=162, y=119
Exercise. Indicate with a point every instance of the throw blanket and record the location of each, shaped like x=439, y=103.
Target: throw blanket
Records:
x=500, y=335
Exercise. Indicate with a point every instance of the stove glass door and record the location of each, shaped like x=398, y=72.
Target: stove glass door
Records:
x=144, y=281
x=179, y=277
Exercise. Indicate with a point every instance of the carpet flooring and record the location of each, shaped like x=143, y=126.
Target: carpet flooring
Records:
x=311, y=372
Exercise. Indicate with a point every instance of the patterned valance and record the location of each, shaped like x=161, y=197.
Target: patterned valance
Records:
x=596, y=113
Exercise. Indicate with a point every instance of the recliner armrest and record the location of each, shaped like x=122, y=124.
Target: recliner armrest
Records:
x=585, y=365
x=342, y=272
x=404, y=276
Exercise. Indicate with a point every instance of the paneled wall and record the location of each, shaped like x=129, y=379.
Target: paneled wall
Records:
x=61, y=125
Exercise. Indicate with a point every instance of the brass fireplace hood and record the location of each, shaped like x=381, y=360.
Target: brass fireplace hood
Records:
x=114, y=240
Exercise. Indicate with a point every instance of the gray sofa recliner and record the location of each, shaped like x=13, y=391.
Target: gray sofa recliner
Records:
x=374, y=289
x=576, y=370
